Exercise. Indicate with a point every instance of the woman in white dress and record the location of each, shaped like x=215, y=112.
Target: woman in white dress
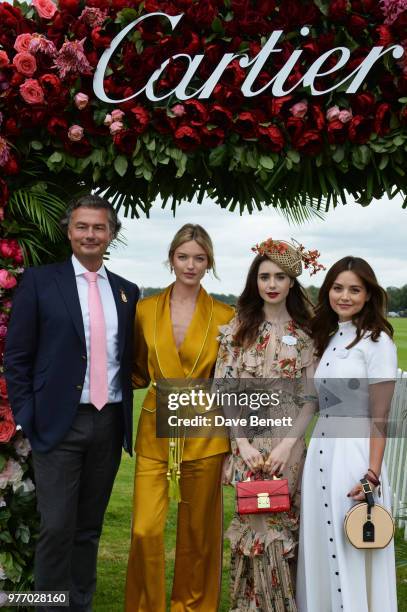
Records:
x=355, y=382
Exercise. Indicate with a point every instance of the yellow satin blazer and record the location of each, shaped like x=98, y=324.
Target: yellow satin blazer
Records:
x=154, y=312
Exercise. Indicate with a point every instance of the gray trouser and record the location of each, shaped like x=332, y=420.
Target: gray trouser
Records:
x=74, y=482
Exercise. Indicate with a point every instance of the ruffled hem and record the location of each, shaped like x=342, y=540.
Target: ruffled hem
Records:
x=251, y=543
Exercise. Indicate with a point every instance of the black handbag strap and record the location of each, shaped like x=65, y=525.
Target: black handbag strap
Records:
x=367, y=490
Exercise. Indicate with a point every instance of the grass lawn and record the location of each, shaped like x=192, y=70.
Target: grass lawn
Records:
x=116, y=535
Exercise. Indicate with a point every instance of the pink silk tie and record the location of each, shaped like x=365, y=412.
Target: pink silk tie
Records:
x=98, y=345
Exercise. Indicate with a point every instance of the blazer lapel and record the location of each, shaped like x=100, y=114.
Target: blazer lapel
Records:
x=120, y=299
x=66, y=281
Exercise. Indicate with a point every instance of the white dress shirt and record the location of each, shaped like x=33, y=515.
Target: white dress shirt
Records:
x=111, y=322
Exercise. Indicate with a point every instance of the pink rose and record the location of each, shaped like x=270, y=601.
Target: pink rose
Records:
x=11, y=474
x=22, y=446
x=75, y=133
x=81, y=100
x=7, y=280
x=178, y=110
x=332, y=113
x=108, y=120
x=45, y=8
x=4, y=59
x=345, y=116
x=300, y=109
x=117, y=114
x=32, y=92
x=25, y=63
x=3, y=331
x=116, y=127
x=22, y=42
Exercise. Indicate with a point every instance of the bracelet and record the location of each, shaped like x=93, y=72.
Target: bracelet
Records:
x=374, y=481
x=374, y=473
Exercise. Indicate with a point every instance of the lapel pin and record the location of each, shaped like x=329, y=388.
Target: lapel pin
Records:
x=123, y=296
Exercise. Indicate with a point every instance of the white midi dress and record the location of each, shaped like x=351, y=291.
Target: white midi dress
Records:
x=332, y=574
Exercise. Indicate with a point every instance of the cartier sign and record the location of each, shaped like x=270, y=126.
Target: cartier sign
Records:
x=277, y=86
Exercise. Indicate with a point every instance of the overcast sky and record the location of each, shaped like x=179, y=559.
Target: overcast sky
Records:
x=376, y=233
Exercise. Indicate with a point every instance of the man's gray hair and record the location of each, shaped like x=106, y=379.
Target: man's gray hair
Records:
x=92, y=201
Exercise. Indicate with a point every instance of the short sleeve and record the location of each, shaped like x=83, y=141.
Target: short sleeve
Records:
x=381, y=359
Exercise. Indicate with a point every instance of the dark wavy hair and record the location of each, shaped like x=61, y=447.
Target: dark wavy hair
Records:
x=250, y=306
x=372, y=317
x=92, y=201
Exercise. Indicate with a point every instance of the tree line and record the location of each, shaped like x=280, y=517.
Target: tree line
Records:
x=397, y=297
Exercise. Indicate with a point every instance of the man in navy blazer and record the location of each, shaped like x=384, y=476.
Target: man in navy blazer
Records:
x=76, y=446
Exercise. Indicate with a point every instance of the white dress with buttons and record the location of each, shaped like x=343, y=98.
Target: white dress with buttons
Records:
x=332, y=574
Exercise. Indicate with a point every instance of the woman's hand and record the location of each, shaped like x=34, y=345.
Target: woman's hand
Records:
x=357, y=494
x=225, y=477
x=277, y=460
x=250, y=455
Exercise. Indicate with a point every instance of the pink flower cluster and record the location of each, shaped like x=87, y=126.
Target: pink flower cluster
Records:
x=10, y=249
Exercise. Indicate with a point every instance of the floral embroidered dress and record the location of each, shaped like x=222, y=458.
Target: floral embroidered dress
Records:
x=263, y=546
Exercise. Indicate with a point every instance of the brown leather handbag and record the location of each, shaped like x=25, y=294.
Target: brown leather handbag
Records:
x=369, y=525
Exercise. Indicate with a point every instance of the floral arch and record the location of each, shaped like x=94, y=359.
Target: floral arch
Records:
x=298, y=151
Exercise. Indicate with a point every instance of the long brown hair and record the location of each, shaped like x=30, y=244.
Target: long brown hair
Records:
x=372, y=317
x=250, y=306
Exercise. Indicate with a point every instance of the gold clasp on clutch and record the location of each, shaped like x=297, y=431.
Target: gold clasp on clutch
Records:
x=263, y=500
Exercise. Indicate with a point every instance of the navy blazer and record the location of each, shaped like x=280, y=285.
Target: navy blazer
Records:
x=45, y=356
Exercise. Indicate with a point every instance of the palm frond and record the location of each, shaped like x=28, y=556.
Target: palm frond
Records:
x=41, y=208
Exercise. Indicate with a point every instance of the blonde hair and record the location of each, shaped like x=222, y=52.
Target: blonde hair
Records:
x=191, y=231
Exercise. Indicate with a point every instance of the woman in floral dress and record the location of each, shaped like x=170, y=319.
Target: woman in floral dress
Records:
x=268, y=339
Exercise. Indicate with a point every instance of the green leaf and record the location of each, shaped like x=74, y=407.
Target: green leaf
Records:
x=383, y=161
x=266, y=162
x=217, y=156
x=3, y=462
x=338, y=155
x=37, y=145
x=294, y=156
x=217, y=26
x=121, y=165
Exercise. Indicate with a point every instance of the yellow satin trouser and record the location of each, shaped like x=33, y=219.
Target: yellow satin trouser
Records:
x=198, y=560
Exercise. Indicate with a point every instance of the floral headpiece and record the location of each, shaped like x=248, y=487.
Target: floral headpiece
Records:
x=289, y=257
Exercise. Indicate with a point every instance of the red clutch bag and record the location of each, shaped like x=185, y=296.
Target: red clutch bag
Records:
x=258, y=496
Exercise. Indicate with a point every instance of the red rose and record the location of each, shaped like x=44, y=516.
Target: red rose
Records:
x=51, y=84
x=234, y=75
x=231, y=97
x=212, y=138
x=139, y=118
x=162, y=122
x=203, y=13
x=3, y=386
x=295, y=127
x=125, y=141
x=265, y=7
x=70, y=6
x=57, y=126
x=11, y=166
x=318, y=116
x=275, y=105
x=196, y=112
x=100, y=41
x=25, y=63
x=337, y=132
x=310, y=142
x=363, y=103
x=246, y=125
x=271, y=137
x=383, y=36
x=11, y=17
x=220, y=116
x=32, y=92
x=7, y=430
x=187, y=138
x=356, y=24
x=11, y=128
x=80, y=148
x=360, y=129
x=382, y=119
x=338, y=9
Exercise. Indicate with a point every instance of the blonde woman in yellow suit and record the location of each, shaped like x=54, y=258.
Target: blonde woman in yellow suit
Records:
x=176, y=337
